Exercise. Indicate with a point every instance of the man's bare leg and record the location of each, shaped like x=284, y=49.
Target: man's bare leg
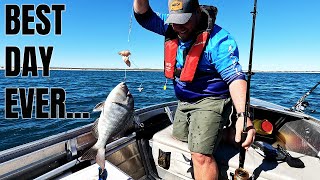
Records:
x=205, y=167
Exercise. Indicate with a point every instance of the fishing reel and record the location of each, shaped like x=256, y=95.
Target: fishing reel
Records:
x=239, y=174
x=301, y=107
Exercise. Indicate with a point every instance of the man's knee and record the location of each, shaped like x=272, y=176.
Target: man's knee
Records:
x=202, y=158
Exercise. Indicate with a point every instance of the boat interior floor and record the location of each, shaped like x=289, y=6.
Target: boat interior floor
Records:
x=92, y=172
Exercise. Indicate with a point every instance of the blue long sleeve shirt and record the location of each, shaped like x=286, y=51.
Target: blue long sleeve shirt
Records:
x=220, y=58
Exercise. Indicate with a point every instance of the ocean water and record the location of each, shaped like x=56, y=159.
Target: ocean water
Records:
x=84, y=89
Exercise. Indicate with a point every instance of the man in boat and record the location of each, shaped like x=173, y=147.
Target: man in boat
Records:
x=202, y=59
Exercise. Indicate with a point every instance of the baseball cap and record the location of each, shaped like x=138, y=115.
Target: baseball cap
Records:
x=180, y=11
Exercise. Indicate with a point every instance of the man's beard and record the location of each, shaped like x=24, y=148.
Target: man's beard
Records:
x=191, y=36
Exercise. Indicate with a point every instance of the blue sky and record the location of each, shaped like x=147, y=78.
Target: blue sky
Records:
x=287, y=34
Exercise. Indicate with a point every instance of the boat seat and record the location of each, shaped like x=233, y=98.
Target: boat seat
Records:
x=180, y=157
x=227, y=156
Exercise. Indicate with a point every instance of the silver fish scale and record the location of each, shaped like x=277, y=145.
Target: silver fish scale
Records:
x=114, y=120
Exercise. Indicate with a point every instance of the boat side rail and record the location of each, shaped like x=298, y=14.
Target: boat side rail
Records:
x=264, y=105
x=35, y=161
x=151, y=111
x=21, y=150
x=52, y=160
x=110, y=149
x=45, y=154
x=146, y=110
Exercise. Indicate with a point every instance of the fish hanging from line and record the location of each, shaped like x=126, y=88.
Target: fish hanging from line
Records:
x=125, y=56
x=116, y=116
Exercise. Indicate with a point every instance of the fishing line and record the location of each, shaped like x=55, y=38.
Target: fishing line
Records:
x=140, y=88
x=129, y=32
x=130, y=27
x=165, y=85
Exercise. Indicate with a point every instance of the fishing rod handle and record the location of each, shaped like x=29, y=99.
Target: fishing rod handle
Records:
x=240, y=173
x=242, y=154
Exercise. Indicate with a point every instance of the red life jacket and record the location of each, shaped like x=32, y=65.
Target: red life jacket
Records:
x=193, y=56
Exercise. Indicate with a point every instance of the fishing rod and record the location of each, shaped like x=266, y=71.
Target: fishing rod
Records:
x=301, y=104
x=240, y=173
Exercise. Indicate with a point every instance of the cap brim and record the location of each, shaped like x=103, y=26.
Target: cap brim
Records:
x=181, y=18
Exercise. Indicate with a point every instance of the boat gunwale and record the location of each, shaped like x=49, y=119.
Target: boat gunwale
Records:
x=44, y=142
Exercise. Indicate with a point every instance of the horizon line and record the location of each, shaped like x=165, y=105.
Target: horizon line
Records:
x=149, y=69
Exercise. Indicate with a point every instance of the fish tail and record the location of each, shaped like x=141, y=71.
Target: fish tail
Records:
x=97, y=154
x=100, y=158
x=90, y=154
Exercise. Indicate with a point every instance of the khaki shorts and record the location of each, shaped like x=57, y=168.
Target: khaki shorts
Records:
x=201, y=123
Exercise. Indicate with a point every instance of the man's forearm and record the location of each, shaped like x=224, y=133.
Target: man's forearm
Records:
x=238, y=90
x=141, y=6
